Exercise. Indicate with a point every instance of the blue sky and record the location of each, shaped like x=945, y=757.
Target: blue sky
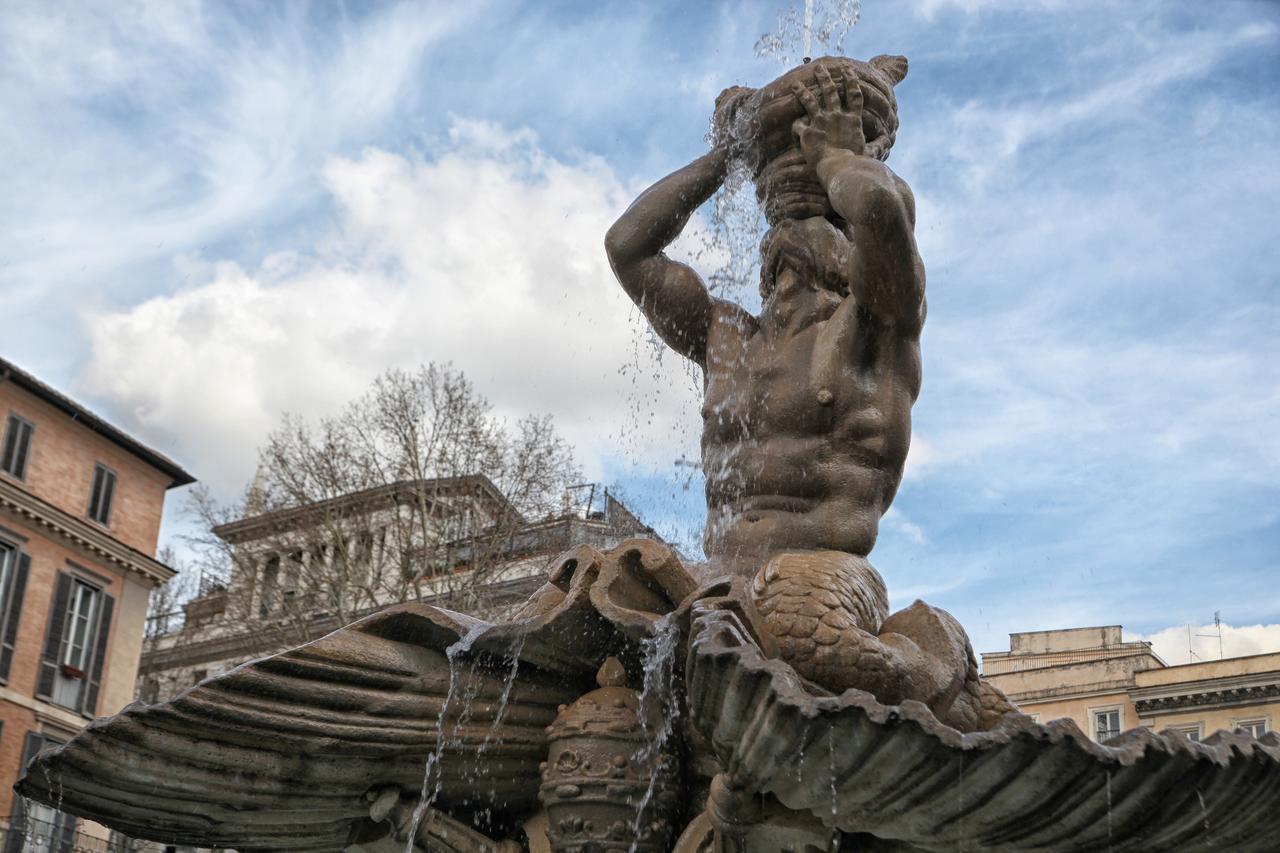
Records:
x=218, y=212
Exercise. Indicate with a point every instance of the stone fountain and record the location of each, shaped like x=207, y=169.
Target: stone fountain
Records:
x=763, y=701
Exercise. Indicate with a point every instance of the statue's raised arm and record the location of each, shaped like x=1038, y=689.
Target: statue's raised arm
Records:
x=671, y=295
x=886, y=275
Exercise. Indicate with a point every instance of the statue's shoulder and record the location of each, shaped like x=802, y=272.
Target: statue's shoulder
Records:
x=729, y=319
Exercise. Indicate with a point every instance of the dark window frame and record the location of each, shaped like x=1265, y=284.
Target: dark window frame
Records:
x=94, y=646
x=63, y=829
x=15, y=566
x=1104, y=714
x=95, y=511
x=17, y=428
x=73, y=618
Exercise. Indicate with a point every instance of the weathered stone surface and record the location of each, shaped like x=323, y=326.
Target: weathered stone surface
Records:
x=607, y=784
x=897, y=773
x=281, y=753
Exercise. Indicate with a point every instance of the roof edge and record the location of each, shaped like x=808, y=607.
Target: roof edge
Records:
x=55, y=398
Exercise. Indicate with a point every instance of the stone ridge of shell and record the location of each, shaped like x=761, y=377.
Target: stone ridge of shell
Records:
x=900, y=774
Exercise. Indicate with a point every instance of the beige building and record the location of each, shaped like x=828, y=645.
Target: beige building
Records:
x=1107, y=685
x=299, y=573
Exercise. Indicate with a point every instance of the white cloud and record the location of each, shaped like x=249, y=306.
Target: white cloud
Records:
x=922, y=455
x=488, y=254
x=895, y=520
x=1192, y=643
x=929, y=9
x=151, y=129
x=985, y=134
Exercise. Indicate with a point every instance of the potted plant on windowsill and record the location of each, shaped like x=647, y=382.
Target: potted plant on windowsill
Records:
x=72, y=671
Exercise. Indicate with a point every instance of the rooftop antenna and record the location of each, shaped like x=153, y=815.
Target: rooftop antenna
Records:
x=1217, y=632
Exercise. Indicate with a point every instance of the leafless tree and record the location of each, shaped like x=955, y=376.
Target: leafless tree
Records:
x=415, y=490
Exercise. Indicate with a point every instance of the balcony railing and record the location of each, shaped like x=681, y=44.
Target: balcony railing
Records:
x=27, y=835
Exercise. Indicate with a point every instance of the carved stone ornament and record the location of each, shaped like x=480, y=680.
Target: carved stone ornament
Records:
x=605, y=786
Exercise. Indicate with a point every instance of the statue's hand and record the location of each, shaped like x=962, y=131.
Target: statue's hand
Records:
x=829, y=125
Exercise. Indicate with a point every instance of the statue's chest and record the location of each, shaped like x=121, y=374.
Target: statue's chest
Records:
x=764, y=386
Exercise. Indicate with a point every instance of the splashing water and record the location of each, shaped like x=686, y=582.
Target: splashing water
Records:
x=657, y=701
x=428, y=794
x=824, y=23
x=736, y=222
x=513, y=655
x=834, y=844
x=1108, y=809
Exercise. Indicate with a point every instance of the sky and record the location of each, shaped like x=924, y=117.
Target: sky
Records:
x=215, y=213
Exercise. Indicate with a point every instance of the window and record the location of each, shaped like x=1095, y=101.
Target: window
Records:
x=458, y=525
x=6, y=569
x=104, y=489
x=14, y=565
x=1191, y=730
x=292, y=574
x=17, y=446
x=364, y=548
x=33, y=827
x=73, y=657
x=270, y=583
x=75, y=646
x=1253, y=728
x=80, y=616
x=1106, y=724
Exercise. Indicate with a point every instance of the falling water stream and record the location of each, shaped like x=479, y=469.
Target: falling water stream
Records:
x=431, y=768
x=513, y=658
x=657, y=702
x=727, y=250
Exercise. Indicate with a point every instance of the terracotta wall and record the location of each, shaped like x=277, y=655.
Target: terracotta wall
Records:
x=20, y=711
x=61, y=463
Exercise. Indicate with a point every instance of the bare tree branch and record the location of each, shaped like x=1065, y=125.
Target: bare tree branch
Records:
x=415, y=490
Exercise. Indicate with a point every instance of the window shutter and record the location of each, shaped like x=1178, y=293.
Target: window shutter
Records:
x=53, y=635
x=9, y=619
x=10, y=458
x=90, y=705
x=15, y=839
x=62, y=833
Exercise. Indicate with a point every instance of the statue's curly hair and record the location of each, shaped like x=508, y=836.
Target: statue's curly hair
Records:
x=758, y=124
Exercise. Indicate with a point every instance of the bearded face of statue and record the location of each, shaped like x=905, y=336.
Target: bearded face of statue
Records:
x=804, y=268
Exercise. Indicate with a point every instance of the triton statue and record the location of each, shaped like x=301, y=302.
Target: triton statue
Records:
x=807, y=417
x=764, y=702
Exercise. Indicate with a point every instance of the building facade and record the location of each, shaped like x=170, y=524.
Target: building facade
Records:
x=299, y=573
x=1107, y=685
x=80, y=511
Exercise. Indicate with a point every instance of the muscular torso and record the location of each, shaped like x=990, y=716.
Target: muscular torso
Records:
x=805, y=432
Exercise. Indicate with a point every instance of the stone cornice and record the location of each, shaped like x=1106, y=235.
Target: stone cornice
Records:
x=362, y=503
x=1224, y=691
x=255, y=639
x=1073, y=691
x=81, y=534
x=45, y=712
